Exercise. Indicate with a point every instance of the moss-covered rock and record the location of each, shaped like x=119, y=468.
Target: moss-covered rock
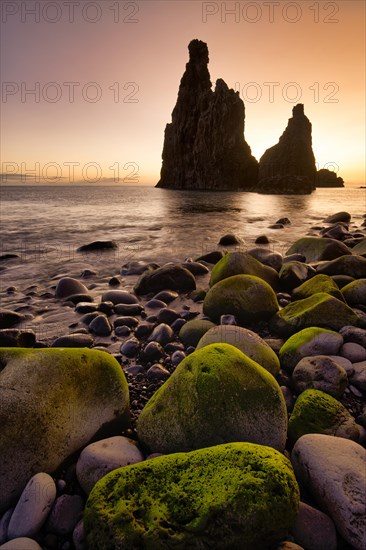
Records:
x=316, y=249
x=352, y=266
x=355, y=292
x=317, y=412
x=307, y=342
x=360, y=248
x=217, y=394
x=52, y=403
x=247, y=297
x=239, y=263
x=192, y=331
x=318, y=283
x=236, y=495
x=246, y=341
x=320, y=310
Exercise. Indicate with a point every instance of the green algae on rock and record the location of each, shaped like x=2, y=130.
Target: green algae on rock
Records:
x=318, y=283
x=316, y=249
x=319, y=310
x=216, y=395
x=236, y=495
x=248, y=298
x=239, y=263
x=307, y=342
x=52, y=403
x=192, y=331
x=355, y=292
x=246, y=341
x=318, y=412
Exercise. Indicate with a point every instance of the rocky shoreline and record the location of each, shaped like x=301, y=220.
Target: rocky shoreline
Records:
x=251, y=365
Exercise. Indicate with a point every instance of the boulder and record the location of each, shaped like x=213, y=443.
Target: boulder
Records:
x=355, y=293
x=316, y=249
x=204, y=145
x=290, y=163
x=52, y=403
x=293, y=274
x=309, y=341
x=168, y=277
x=246, y=297
x=192, y=331
x=246, y=341
x=216, y=394
x=338, y=217
x=236, y=495
x=320, y=310
x=267, y=257
x=67, y=286
x=352, y=266
x=320, y=372
x=239, y=263
x=316, y=412
x=360, y=248
x=333, y=470
x=318, y=283
x=328, y=178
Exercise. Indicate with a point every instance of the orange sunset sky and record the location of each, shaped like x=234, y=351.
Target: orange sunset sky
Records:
x=105, y=77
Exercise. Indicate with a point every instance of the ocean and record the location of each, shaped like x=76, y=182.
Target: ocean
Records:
x=44, y=225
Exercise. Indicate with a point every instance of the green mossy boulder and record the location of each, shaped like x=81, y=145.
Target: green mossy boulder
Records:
x=360, y=248
x=318, y=283
x=193, y=330
x=308, y=342
x=239, y=263
x=316, y=249
x=247, y=297
x=352, y=266
x=246, y=341
x=52, y=403
x=320, y=310
x=216, y=395
x=355, y=292
x=320, y=413
x=232, y=496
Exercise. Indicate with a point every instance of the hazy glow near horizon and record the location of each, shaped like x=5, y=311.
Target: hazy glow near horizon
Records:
x=88, y=87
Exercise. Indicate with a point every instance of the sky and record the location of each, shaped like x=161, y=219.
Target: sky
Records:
x=88, y=86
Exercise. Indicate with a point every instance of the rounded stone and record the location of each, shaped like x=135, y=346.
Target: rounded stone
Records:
x=100, y=458
x=78, y=536
x=229, y=239
x=100, y=326
x=313, y=529
x=246, y=341
x=162, y=334
x=119, y=297
x=21, y=543
x=67, y=286
x=354, y=334
x=157, y=372
x=167, y=316
x=65, y=514
x=216, y=394
x=152, y=352
x=240, y=263
x=192, y=331
x=250, y=488
x=4, y=524
x=166, y=296
x=73, y=341
x=130, y=348
x=353, y=352
x=320, y=373
x=33, y=507
x=358, y=377
x=333, y=470
x=178, y=357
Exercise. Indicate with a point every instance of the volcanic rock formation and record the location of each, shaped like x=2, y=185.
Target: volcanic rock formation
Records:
x=289, y=166
x=204, y=146
x=328, y=178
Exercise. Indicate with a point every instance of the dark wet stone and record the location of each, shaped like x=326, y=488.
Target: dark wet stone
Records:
x=196, y=268
x=177, y=325
x=276, y=226
x=229, y=239
x=86, y=307
x=267, y=257
x=119, y=297
x=9, y=318
x=130, y=322
x=342, y=280
x=198, y=295
x=130, y=348
x=122, y=330
x=152, y=351
x=293, y=274
x=73, y=341
x=338, y=217
x=26, y=339
x=98, y=245
x=151, y=319
x=211, y=257
x=174, y=346
x=188, y=315
x=354, y=334
x=167, y=316
x=137, y=268
x=135, y=369
x=9, y=337
x=262, y=239
x=114, y=281
x=294, y=258
x=8, y=257
x=100, y=326
x=88, y=317
x=65, y=514
x=166, y=296
x=157, y=372
x=155, y=304
x=67, y=286
x=88, y=273
x=284, y=221
x=143, y=330
x=162, y=334
x=128, y=309
x=177, y=357
x=228, y=319
x=106, y=307
x=168, y=277
x=77, y=298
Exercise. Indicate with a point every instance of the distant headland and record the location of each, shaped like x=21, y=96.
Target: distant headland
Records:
x=205, y=148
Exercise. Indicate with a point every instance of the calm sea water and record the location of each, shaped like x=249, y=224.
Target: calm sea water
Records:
x=45, y=225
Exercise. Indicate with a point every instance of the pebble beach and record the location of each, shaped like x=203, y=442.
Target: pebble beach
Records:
x=250, y=359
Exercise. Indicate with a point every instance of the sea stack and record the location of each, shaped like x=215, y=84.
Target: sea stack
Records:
x=204, y=145
x=289, y=166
